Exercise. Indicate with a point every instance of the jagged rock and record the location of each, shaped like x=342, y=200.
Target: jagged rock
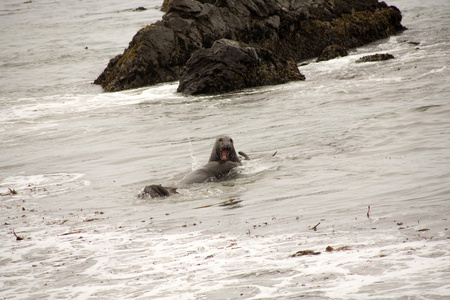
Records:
x=230, y=65
x=165, y=5
x=375, y=57
x=292, y=29
x=331, y=52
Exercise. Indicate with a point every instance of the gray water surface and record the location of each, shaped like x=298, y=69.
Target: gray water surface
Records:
x=349, y=137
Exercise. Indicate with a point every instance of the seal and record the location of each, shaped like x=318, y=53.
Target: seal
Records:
x=223, y=159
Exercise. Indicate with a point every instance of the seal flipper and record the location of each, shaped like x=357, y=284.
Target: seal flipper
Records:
x=157, y=190
x=244, y=155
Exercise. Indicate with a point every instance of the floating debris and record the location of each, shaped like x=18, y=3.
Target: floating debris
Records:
x=315, y=227
x=71, y=232
x=11, y=192
x=331, y=249
x=305, y=252
x=90, y=219
x=228, y=202
x=18, y=238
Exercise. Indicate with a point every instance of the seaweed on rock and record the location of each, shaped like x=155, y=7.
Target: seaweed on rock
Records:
x=293, y=30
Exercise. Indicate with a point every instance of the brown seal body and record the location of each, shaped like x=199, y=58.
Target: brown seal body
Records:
x=222, y=160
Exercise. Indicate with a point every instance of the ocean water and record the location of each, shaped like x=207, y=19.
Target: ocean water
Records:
x=356, y=159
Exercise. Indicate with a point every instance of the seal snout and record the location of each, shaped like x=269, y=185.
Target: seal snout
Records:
x=225, y=151
x=226, y=145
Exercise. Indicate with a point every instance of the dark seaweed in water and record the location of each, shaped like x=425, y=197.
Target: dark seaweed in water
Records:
x=375, y=57
x=305, y=252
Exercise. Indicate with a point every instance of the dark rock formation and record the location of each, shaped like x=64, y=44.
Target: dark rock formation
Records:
x=331, y=52
x=165, y=5
x=292, y=29
x=375, y=57
x=229, y=65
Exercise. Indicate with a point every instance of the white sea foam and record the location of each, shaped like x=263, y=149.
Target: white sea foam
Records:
x=41, y=185
x=28, y=109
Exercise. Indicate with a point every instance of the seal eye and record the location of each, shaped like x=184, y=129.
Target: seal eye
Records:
x=220, y=139
x=231, y=140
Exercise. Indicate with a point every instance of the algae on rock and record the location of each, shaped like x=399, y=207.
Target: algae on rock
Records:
x=294, y=30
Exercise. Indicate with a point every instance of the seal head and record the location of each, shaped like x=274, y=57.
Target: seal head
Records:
x=223, y=150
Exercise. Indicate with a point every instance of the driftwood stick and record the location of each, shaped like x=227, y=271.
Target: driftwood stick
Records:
x=19, y=238
x=315, y=227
